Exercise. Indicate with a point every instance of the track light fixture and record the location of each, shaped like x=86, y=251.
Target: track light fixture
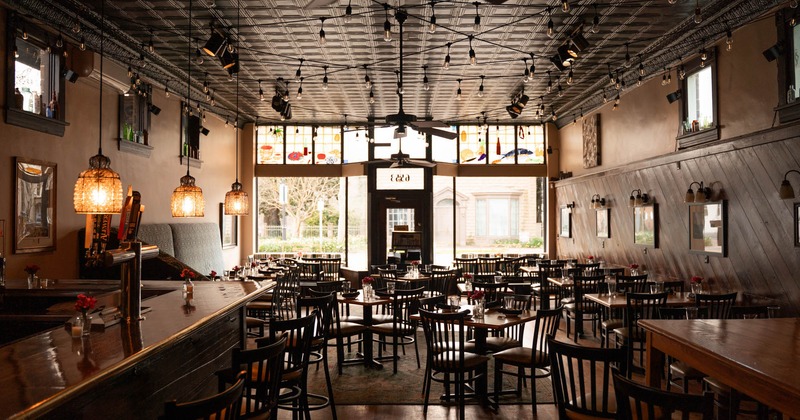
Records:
x=476, y=26
x=387, y=26
x=597, y=202
x=432, y=20
x=446, y=64
x=702, y=195
x=480, y=88
x=215, y=45
x=786, y=191
x=325, y=78
x=458, y=92
x=639, y=199
x=472, y=60
x=322, y=39
x=426, y=86
x=517, y=105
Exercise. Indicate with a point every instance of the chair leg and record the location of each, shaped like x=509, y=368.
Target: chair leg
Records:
x=330, y=385
x=498, y=383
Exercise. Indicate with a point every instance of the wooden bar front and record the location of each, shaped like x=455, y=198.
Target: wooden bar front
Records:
x=128, y=371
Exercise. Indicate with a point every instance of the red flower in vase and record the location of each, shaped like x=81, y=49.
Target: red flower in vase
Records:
x=590, y=257
x=415, y=262
x=253, y=264
x=634, y=266
x=367, y=280
x=187, y=273
x=697, y=279
x=476, y=295
x=212, y=274
x=85, y=303
x=31, y=268
x=467, y=276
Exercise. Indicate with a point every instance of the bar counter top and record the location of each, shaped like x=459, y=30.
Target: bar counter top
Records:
x=53, y=375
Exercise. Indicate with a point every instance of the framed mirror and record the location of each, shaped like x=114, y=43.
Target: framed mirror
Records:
x=645, y=225
x=565, y=223
x=35, y=203
x=602, y=217
x=707, y=228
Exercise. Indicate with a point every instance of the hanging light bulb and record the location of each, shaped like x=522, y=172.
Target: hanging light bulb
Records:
x=595, y=22
x=641, y=67
x=367, y=81
x=663, y=80
x=150, y=47
x=698, y=16
x=549, y=82
x=371, y=97
x=199, y=57
x=728, y=40
x=616, y=101
x=669, y=77
x=260, y=92
x=16, y=51
x=348, y=13
x=605, y=97
x=286, y=93
x=617, y=81
x=432, y=20
x=325, y=79
x=476, y=26
x=166, y=90
x=426, y=86
x=472, y=59
x=83, y=44
x=639, y=81
x=213, y=101
x=569, y=77
x=681, y=72
x=299, y=73
x=446, y=64
x=387, y=26
x=554, y=116
x=703, y=54
x=672, y=1
x=560, y=90
x=551, y=28
x=322, y=39
x=300, y=90
x=24, y=32
x=533, y=65
x=480, y=88
x=627, y=57
x=60, y=41
x=526, y=75
x=565, y=6
x=458, y=92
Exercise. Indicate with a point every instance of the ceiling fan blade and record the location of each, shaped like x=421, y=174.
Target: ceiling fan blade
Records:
x=423, y=163
x=432, y=124
x=496, y=2
x=395, y=165
x=439, y=133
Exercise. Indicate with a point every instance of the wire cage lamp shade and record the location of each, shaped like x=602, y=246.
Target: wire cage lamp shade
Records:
x=187, y=199
x=98, y=189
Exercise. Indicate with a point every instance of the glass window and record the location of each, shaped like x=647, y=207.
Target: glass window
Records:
x=502, y=144
x=356, y=222
x=356, y=148
x=413, y=144
x=299, y=147
x=699, y=100
x=269, y=145
x=530, y=144
x=472, y=144
x=444, y=150
x=444, y=198
x=328, y=145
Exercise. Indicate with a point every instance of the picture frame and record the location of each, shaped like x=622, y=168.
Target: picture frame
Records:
x=565, y=223
x=645, y=225
x=228, y=228
x=708, y=228
x=602, y=219
x=797, y=225
x=35, y=204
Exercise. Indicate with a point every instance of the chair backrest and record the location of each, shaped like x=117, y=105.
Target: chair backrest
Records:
x=717, y=306
x=587, y=284
x=322, y=307
x=384, y=275
x=642, y=306
x=635, y=401
x=329, y=286
x=442, y=281
x=589, y=269
x=492, y=291
x=429, y=303
x=635, y=284
x=444, y=332
x=509, y=267
x=405, y=302
x=546, y=325
x=299, y=333
x=284, y=295
x=674, y=286
x=745, y=312
x=671, y=313
x=309, y=270
x=263, y=366
x=487, y=265
x=330, y=268
x=582, y=378
x=222, y=406
x=466, y=265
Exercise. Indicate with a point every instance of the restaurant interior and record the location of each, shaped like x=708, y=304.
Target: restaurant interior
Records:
x=475, y=162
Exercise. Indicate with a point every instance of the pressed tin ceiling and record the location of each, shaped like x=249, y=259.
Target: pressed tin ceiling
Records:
x=272, y=36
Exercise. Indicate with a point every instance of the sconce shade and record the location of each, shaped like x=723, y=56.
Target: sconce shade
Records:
x=689, y=196
x=786, y=191
x=98, y=189
x=237, y=202
x=632, y=201
x=187, y=199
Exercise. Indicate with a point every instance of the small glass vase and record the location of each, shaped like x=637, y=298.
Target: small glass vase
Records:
x=81, y=325
x=367, y=290
x=33, y=281
x=478, y=308
x=188, y=285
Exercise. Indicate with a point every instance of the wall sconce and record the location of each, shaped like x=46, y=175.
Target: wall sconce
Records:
x=701, y=196
x=639, y=199
x=786, y=191
x=598, y=203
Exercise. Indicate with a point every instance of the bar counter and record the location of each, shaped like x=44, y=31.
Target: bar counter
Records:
x=128, y=371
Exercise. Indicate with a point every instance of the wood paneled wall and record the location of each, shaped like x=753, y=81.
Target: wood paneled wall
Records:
x=761, y=261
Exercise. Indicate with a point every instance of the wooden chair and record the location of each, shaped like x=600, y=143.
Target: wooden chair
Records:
x=263, y=367
x=401, y=329
x=612, y=321
x=294, y=380
x=546, y=291
x=631, y=337
x=309, y=271
x=493, y=292
x=466, y=266
x=582, y=307
x=330, y=268
x=486, y=268
x=717, y=306
x=223, y=406
x=534, y=358
x=510, y=337
x=582, y=379
x=321, y=307
x=442, y=282
x=635, y=401
x=589, y=269
x=444, y=338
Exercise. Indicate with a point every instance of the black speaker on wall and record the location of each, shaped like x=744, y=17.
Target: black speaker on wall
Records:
x=193, y=132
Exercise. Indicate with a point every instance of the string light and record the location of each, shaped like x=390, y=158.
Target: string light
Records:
x=367, y=81
x=432, y=27
x=299, y=73
x=526, y=75
x=83, y=44
x=166, y=90
x=554, y=116
x=565, y=6
x=322, y=39
x=387, y=26
x=569, y=77
x=59, y=41
x=627, y=57
x=728, y=40
x=610, y=74
x=698, y=17
x=260, y=92
x=472, y=59
x=458, y=92
x=200, y=59
x=24, y=32
x=476, y=26
x=641, y=67
x=533, y=65
x=371, y=97
x=150, y=46
x=595, y=22
x=480, y=88
x=426, y=86
x=446, y=64
x=205, y=84
x=300, y=90
x=605, y=97
x=560, y=90
x=325, y=79
x=348, y=13
x=549, y=82
x=550, y=26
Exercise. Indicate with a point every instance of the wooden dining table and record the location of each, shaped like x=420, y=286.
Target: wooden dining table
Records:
x=759, y=357
x=619, y=301
x=492, y=320
x=366, y=305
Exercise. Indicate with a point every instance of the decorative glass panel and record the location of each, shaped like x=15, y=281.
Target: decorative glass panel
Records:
x=501, y=144
x=472, y=143
x=530, y=144
x=328, y=145
x=269, y=145
x=299, y=147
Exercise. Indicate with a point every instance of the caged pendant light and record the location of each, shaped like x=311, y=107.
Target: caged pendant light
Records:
x=187, y=199
x=237, y=202
x=98, y=189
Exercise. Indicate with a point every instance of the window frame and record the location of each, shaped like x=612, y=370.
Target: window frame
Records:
x=40, y=37
x=787, y=112
x=696, y=138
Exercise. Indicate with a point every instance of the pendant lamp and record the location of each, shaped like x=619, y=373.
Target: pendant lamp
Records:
x=187, y=199
x=98, y=189
x=236, y=200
